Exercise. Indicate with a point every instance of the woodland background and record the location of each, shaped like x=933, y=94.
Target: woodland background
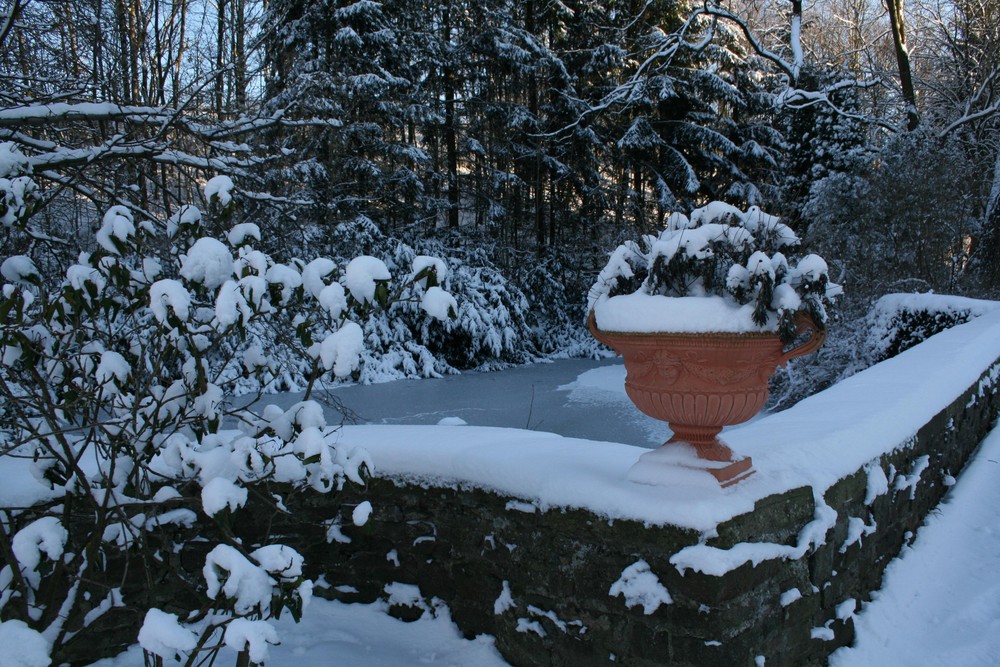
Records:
x=522, y=139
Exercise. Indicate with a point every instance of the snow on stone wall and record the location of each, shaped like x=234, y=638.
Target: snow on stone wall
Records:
x=833, y=503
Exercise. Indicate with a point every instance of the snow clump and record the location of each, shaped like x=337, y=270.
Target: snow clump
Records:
x=209, y=262
x=42, y=536
x=640, y=586
x=22, y=646
x=19, y=269
x=220, y=493
x=240, y=234
x=438, y=304
x=168, y=293
x=251, y=636
x=341, y=350
x=162, y=635
x=316, y=275
x=362, y=276
x=116, y=228
x=220, y=188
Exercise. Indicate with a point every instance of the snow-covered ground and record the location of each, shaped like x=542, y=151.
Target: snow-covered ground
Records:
x=816, y=443
x=940, y=604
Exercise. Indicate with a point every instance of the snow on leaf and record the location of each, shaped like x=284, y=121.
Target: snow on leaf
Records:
x=44, y=536
x=209, y=262
x=22, y=646
x=116, y=228
x=219, y=494
x=230, y=575
x=241, y=233
x=19, y=269
x=438, y=304
x=361, y=513
x=341, y=350
x=362, y=275
x=433, y=265
x=280, y=560
x=162, y=634
x=316, y=275
x=113, y=368
x=251, y=636
x=220, y=188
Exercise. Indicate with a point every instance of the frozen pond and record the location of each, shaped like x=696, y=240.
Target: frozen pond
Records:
x=578, y=398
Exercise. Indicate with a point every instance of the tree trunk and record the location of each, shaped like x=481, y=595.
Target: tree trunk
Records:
x=898, y=29
x=450, y=119
x=220, y=58
x=989, y=256
x=239, y=57
x=796, y=39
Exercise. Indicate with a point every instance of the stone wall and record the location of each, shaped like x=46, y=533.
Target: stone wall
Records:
x=539, y=581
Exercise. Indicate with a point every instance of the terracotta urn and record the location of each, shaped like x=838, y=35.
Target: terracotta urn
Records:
x=702, y=382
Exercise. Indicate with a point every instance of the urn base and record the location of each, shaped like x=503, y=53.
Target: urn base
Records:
x=680, y=462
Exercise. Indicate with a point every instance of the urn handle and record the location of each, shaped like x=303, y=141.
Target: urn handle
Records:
x=804, y=324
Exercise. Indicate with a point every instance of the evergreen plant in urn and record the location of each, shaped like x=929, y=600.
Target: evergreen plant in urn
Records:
x=703, y=314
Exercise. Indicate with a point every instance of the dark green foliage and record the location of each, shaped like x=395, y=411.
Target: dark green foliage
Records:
x=724, y=252
x=908, y=328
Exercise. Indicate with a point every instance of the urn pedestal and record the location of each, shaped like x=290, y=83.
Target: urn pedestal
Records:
x=700, y=383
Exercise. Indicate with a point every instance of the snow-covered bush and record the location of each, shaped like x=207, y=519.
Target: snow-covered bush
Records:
x=18, y=191
x=893, y=221
x=897, y=322
x=491, y=326
x=722, y=269
x=114, y=383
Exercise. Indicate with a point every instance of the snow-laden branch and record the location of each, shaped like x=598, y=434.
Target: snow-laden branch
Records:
x=796, y=39
x=718, y=12
x=9, y=19
x=796, y=98
x=49, y=114
x=969, y=115
x=62, y=158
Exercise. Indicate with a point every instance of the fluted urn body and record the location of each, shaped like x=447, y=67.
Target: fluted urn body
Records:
x=702, y=382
